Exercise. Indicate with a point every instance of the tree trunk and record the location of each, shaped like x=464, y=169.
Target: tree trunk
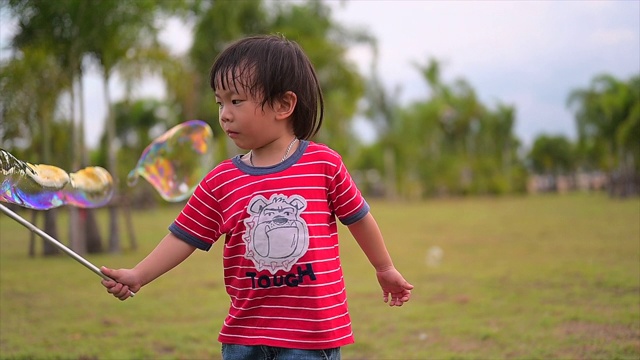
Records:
x=32, y=236
x=114, y=228
x=50, y=227
x=92, y=238
x=127, y=218
x=390, y=173
x=92, y=231
x=77, y=241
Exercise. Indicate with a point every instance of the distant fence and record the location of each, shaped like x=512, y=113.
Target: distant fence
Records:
x=616, y=184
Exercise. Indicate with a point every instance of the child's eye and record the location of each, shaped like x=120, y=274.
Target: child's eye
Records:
x=236, y=102
x=219, y=104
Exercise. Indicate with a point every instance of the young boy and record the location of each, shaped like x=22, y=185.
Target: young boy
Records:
x=276, y=207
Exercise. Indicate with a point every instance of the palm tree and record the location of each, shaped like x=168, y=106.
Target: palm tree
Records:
x=33, y=81
x=382, y=112
x=123, y=37
x=326, y=43
x=608, y=122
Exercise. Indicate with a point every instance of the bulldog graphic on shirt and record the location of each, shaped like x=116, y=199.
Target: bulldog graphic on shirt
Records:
x=276, y=236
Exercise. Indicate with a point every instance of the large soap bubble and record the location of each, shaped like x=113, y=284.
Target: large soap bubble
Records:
x=43, y=187
x=175, y=162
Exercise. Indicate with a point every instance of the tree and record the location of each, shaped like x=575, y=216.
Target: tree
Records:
x=608, y=121
x=449, y=143
x=325, y=42
x=309, y=23
x=382, y=111
x=31, y=84
x=137, y=123
x=552, y=155
x=217, y=23
x=59, y=28
x=123, y=36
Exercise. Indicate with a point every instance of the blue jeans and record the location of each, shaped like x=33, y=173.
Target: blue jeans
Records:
x=259, y=352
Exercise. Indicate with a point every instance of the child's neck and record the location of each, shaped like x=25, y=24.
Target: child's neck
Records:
x=272, y=154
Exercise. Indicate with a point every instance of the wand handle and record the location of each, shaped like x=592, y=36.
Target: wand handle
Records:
x=56, y=243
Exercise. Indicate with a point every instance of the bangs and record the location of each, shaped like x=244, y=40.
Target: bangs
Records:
x=233, y=75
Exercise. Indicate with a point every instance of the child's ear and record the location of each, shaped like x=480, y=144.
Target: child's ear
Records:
x=286, y=105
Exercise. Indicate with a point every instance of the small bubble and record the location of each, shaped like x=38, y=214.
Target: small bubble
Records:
x=434, y=256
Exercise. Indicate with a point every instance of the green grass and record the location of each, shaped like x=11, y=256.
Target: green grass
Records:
x=548, y=277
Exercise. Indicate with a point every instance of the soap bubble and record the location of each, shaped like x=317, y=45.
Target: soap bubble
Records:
x=89, y=187
x=175, y=162
x=43, y=187
x=434, y=256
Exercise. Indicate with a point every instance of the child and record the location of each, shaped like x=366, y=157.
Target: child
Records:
x=276, y=207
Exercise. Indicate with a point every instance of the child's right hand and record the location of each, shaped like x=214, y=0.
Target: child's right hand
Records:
x=124, y=282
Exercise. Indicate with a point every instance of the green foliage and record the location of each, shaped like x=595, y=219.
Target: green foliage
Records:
x=137, y=124
x=552, y=155
x=546, y=277
x=608, y=122
x=119, y=29
x=308, y=23
x=30, y=85
x=218, y=23
x=449, y=143
x=326, y=43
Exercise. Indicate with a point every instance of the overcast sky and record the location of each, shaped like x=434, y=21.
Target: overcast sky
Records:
x=529, y=54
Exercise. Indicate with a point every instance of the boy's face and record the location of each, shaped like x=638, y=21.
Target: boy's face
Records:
x=244, y=119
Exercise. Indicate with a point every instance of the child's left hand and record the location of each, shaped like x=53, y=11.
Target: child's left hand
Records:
x=395, y=289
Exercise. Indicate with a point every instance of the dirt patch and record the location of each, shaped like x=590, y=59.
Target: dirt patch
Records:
x=592, y=338
x=163, y=349
x=468, y=346
x=606, y=332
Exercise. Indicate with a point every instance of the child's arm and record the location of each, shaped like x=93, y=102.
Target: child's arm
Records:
x=369, y=237
x=170, y=252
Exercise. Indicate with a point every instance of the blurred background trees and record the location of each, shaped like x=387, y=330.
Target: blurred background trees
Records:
x=608, y=121
x=447, y=144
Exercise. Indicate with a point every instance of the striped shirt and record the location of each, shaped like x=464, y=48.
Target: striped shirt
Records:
x=281, y=260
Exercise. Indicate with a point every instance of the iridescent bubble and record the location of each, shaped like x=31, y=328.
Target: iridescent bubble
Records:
x=89, y=187
x=175, y=162
x=43, y=187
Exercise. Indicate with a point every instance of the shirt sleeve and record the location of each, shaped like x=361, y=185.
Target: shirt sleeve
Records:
x=200, y=221
x=345, y=198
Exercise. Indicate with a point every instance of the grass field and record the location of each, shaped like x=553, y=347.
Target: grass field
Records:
x=548, y=277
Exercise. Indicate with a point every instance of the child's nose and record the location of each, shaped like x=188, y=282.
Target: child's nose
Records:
x=224, y=115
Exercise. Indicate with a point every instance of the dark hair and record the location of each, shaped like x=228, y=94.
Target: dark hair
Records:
x=272, y=65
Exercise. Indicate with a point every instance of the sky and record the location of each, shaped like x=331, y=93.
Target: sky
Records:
x=528, y=54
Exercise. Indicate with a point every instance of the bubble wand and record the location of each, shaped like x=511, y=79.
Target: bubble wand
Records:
x=174, y=163
x=54, y=242
x=43, y=187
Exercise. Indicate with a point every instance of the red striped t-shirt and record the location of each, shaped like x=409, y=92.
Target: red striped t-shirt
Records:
x=281, y=260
